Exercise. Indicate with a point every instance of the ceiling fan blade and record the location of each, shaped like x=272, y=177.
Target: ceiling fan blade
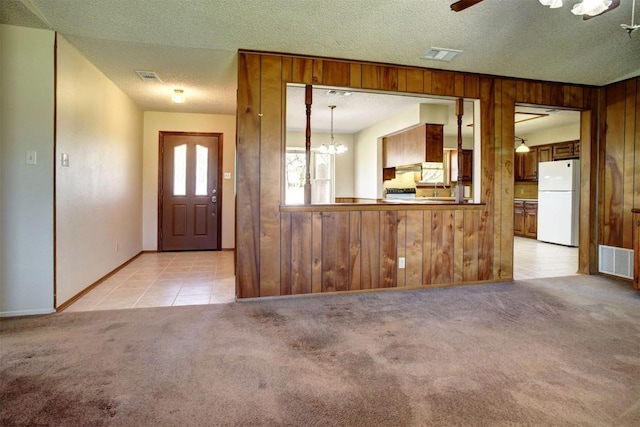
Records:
x=614, y=4
x=463, y=4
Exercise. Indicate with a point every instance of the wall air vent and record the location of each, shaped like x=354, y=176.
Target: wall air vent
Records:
x=616, y=261
x=148, y=76
x=440, y=54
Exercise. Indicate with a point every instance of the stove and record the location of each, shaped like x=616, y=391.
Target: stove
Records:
x=401, y=193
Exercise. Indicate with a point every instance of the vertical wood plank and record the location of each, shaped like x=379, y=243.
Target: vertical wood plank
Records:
x=336, y=73
x=388, y=78
x=401, y=273
x=613, y=185
x=427, y=77
x=370, y=76
x=414, y=239
x=629, y=163
x=342, y=251
x=556, y=97
x=248, y=185
x=355, y=222
x=485, y=228
x=442, y=246
x=317, y=71
x=415, y=79
x=470, y=259
x=287, y=69
x=285, y=251
x=402, y=79
x=427, y=248
x=316, y=252
x=355, y=75
x=388, y=247
x=271, y=135
x=576, y=97
x=370, y=250
x=507, y=170
x=301, y=253
x=636, y=157
x=459, y=85
x=302, y=70
x=498, y=168
x=329, y=251
x=458, y=246
x=443, y=83
x=471, y=86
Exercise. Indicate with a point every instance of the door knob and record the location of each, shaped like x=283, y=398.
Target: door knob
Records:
x=214, y=191
x=214, y=199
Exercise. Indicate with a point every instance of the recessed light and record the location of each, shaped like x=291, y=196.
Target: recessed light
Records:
x=440, y=54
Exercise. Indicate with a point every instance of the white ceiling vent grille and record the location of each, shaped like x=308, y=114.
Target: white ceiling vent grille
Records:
x=148, y=76
x=441, y=54
x=616, y=261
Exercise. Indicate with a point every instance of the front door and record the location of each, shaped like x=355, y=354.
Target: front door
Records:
x=190, y=196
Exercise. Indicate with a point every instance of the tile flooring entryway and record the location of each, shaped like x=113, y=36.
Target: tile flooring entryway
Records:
x=165, y=279
x=192, y=278
x=533, y=259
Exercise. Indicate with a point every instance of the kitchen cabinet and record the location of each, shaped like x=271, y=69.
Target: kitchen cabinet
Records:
x=518, y=218
x=423, y=143
x=531, y=219
x=525, y=218
x=467, y=165
x=545, y=153
x=565, y=150
x=526, y=165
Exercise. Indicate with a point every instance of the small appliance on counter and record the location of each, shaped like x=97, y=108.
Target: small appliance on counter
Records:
x=401, y=193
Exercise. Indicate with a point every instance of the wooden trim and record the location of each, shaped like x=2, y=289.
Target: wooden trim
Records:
x=92, y=286
x=55, y=168
x=220, y=137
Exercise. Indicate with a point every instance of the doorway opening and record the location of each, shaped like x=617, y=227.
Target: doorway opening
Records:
x=189, y=191
x=550, y=135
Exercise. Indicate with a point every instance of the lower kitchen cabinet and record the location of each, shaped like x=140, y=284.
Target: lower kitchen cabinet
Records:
x=525, y=218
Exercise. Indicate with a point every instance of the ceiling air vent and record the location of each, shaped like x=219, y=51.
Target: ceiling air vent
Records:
x=148, y=76
x=440, y=54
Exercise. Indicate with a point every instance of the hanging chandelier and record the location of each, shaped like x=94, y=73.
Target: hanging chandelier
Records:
x=523, y=147
x=332, y=148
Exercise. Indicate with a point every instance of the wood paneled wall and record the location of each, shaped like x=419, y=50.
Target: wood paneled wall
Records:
x=282, y=252
x=620, y=157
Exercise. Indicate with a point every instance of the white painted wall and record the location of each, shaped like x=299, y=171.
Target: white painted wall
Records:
x=155, y=122
x=368, y=146
x=26, y=191
x=99, y=196
x=343, y=162
x=558, y=134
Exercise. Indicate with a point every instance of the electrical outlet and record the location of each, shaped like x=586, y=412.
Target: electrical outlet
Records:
x=32, y=157
x=227, y=175
x=401, y=262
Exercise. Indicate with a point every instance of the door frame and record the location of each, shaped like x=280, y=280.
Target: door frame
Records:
x=161, y=135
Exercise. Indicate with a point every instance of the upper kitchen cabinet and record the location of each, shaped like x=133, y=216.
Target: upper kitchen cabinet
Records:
x=423, y=143
x=566, y=150
x=545, y=153
x=526, y=165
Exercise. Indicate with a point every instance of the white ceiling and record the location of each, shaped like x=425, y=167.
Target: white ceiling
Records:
x=193, y=44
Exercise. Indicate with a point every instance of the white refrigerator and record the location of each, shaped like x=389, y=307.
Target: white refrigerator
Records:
x=559, y=201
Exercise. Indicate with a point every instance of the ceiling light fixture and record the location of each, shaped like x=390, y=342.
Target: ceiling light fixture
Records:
x=631, y=28
x=332, y=148
x=585, y=7
x=522, y=148
x=178, y=96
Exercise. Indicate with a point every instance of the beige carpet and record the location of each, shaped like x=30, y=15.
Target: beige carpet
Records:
x=562, y=351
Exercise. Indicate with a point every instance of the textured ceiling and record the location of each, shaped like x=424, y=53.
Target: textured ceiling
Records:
x=193, y=44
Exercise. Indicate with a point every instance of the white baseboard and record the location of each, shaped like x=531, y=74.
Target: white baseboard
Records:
x=27, y=312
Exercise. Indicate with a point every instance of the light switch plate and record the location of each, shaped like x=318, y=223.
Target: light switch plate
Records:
x=32, y=157
x=64, y=160
x=227, y=175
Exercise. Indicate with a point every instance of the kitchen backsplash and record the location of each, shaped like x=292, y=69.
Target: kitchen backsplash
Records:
x=525, y=190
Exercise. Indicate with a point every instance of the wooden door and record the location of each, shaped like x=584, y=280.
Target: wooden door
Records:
x=190, y=194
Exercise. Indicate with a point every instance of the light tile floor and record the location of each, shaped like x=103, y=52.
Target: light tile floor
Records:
x=165, y=279
x=534, y=259
x=192, y=278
